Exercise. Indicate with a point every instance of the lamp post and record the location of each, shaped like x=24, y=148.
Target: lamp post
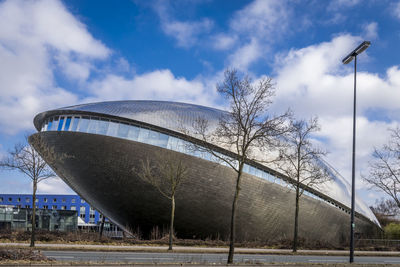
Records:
x=353, y=55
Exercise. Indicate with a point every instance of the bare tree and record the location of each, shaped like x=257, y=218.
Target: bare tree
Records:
x=385, y=211
x=103, y=219
x=384, y=169
x=25, y=159
x=299, y=160
x=246, y=129
x=166, y=173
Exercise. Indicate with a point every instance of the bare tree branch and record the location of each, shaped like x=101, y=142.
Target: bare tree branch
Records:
x=247, y=130
x=299, y=160
x=384, y=169
x=166, y=173
x=28, y=161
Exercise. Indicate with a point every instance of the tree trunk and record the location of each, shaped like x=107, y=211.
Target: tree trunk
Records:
x=171, y=226
x=33, y=221
x=102, y=226
x=233, y=219
x=296, y=220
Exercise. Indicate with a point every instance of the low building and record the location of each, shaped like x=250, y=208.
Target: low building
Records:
x=15, y=218
x=87, y=213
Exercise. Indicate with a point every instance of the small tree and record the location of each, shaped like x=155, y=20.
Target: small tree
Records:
x=166, y=174
x=103, y=219
x=299, y=160
x=385, y=211
x=245, y=129
x=384, y=169
x=25, y=159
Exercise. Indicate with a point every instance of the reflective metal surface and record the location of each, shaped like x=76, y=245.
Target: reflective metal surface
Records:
x=175, y=116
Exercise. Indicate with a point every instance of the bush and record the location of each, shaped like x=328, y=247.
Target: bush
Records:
x=392, y=231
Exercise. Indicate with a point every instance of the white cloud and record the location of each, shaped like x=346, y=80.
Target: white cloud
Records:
x=313, y=81
x=396, y=9
x=370, y=31
x=261, y=18
x=186, y=33
x=74, y=69
x=258, y=25
x=36, y=39
x=339, y=4
x=223, y=41
x=245, y=55
x=159, y=84
x=54, y=185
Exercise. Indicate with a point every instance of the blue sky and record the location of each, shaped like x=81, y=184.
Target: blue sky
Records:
x=60, y=53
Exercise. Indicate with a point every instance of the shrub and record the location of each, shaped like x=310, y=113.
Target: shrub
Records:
x=392, y=231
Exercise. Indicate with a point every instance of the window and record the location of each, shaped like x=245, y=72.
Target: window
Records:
x=19, y=199
x=83, y=201
x=9, y=199
x=63, y=200
x=36, y=200
x=153, y=137
x=75, y=124
x=93, y=125
x=67, y=124
x=143, y=135
x=45, y=207
x=102, y=127
x=133, y=133
x=1, y=199
x=44, y=126
x=113, y=128
x=83, y=125
x=54, y=200
x=50, y=124
x=63, y=207
x=123, y=130
x=55, y=124
x=27, y=206
x=73, y=200
x=54, y=207
x=45, y=200
x=92, y=215
x=163, y=140
x=82, y=211
x=73, y=207
x=60, y=124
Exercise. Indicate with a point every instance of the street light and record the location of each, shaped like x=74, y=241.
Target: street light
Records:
x=353, y=55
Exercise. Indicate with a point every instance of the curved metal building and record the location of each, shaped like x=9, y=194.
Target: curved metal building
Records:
x=106, y=142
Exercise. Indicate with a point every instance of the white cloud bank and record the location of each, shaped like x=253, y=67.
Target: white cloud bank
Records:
x=313, y=81
x=35, y=38
x=156, y=85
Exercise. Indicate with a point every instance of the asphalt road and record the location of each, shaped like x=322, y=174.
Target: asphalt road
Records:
x=206, y=258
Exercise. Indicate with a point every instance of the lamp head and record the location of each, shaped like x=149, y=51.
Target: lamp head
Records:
x=361, y=48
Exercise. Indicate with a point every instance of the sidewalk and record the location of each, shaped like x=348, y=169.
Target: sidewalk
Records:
x=149, y=248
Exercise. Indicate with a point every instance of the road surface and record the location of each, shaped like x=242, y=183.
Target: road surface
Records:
x=204, y=258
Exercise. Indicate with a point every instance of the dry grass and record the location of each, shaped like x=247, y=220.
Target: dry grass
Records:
x=10, y=254
x=160, y=238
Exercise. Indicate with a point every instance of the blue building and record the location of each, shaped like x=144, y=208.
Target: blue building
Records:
x=54, y=202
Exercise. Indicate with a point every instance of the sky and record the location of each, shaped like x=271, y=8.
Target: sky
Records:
x=61, y=53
